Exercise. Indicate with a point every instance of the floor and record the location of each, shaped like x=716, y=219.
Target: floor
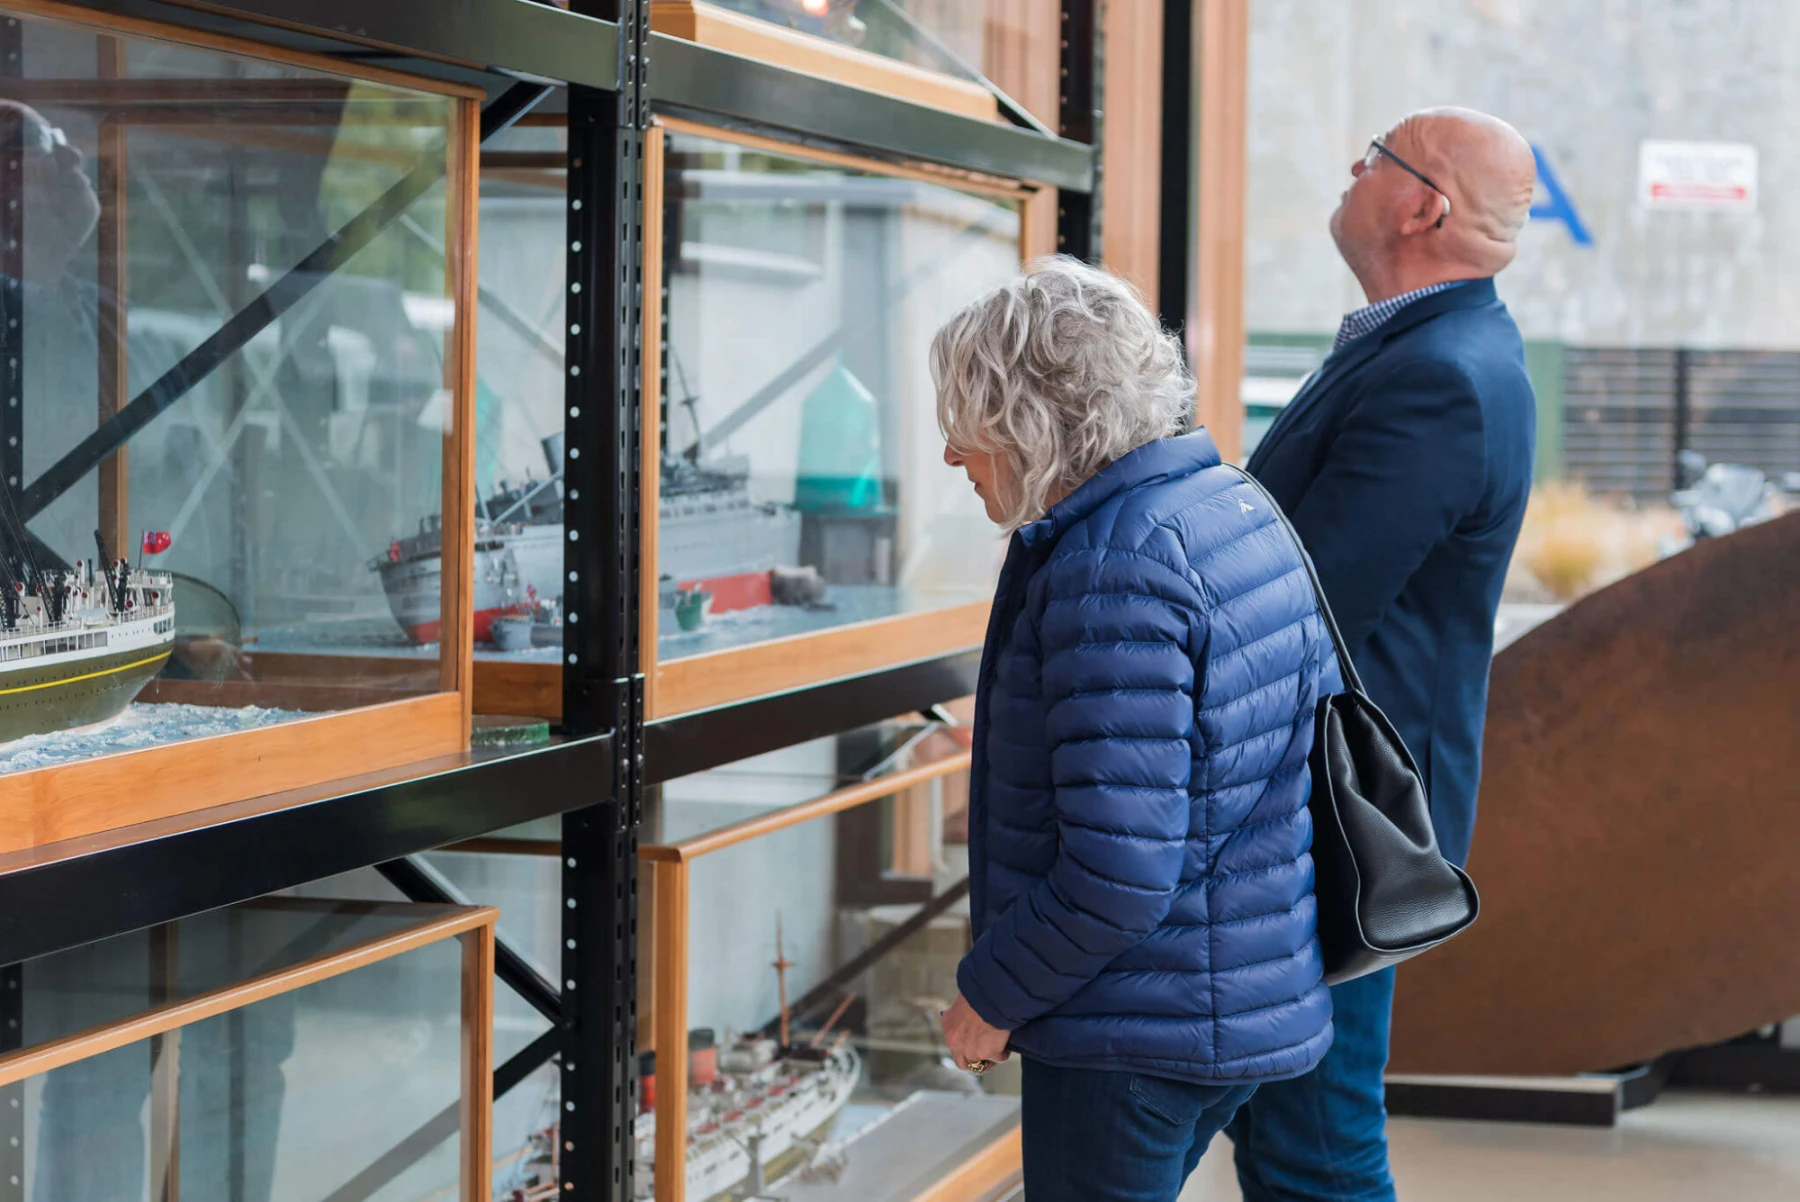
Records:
x=1684, y=1148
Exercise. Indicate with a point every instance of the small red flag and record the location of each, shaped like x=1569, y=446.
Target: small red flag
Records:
x=156, y=542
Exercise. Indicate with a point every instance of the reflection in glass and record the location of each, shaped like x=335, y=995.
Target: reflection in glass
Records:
x=217, y=435
x=956, y=37
x=802, y=484
x=816, y=1065
x=519, y=397
x=290, y=1097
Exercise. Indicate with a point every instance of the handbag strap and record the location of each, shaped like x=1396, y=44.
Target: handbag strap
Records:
x=1352, y=681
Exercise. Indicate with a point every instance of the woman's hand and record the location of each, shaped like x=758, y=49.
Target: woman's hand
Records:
x=970, y=1037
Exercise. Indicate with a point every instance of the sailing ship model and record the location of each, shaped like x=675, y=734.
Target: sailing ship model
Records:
x=77, y=644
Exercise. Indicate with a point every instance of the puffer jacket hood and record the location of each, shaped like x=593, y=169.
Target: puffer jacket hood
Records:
x=1140, y=884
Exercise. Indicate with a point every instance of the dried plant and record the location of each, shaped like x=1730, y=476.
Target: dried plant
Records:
x=1574, y=542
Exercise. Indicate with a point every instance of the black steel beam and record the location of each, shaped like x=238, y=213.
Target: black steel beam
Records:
x=1079, y=119
x=12, y=1097
x=1572, y=1101
x=1755, y=1064
x=726, y=89
x=695, y=742
x=261, y=313
x=602, y=682
x=1175, y=246
x=421, y=882
x=49, y=902
x=457, y=39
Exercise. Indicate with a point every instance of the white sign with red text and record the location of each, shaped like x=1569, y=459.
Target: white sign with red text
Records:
x=1697, y=177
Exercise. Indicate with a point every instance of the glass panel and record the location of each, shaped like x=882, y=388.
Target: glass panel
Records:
x=519, y=397
x=1000, y=39
x=103, y=981
x=803, y=484
x=1651, y=280
x=527, y=890
x=694, y=805
x=258, y=429
x=860, y=1102
x=286, y=1099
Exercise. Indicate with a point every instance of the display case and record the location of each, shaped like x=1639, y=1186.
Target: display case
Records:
x=207, y=1056
x=793, y=1039
x=799, y=522
x=805, y=525
x=236, y=438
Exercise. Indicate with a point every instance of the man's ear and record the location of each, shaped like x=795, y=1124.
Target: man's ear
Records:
x=1428, y=214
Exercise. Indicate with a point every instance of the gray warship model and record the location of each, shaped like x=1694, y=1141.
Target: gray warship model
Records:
x=712, y=537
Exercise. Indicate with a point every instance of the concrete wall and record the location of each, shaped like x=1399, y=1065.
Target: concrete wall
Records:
x=1586, y=82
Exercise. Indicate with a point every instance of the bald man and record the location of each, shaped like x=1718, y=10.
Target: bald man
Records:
x=1404, y=462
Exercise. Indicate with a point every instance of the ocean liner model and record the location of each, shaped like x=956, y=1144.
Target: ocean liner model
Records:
x=712, y=537
x=77, y=645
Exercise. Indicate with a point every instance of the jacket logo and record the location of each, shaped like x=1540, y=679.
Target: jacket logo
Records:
x=1245, y=507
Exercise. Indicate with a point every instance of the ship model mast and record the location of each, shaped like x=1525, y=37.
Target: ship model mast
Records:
x=781, y=966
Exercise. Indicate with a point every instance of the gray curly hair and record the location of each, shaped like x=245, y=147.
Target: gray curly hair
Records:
x=1059, y=371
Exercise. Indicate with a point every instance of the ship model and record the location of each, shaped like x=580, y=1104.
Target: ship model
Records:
x=78, y=644
x=712, y=538
x=757, y=1107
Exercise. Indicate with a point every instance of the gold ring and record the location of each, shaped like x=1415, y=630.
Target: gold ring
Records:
x=979, y=1067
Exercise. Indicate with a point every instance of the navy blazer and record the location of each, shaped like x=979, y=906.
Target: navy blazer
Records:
x=1405, y=463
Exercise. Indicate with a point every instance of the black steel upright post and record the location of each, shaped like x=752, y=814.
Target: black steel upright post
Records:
x=1080, y=94
x=12, y=467
x=602, y=681
x=1175, y=242
x=12, y=271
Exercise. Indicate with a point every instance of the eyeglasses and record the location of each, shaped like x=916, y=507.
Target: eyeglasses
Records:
x=1374, y=155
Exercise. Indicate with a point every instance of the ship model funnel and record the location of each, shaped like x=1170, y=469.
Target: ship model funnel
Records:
x=553, y=452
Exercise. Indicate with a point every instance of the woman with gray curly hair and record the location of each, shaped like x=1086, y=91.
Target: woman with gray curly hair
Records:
x=1140, y=888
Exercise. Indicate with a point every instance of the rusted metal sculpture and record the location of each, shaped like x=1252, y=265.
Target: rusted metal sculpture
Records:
x=1638, y=850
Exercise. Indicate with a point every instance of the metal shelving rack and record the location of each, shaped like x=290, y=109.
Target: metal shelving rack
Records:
x=600, y=63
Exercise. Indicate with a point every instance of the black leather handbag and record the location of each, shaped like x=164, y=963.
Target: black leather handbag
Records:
x=1385, y=893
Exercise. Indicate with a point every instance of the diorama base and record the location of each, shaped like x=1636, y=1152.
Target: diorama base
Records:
x=902, y=1155
x=845, y=605
x=142, y=724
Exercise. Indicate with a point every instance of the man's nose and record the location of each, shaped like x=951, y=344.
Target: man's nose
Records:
x=1358, y=167
x=952, y=456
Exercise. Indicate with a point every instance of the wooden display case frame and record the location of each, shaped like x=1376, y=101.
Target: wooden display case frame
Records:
x=718, y=678
x=663, y=988
x=809, y=54
x=161, y=1025
x=88, y=797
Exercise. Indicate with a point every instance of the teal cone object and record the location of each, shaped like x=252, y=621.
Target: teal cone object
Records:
x=840, y=446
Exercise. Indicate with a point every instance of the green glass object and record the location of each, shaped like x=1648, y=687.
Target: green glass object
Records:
x=840, y=447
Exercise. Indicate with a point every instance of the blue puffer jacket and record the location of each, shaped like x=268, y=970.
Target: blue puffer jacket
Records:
x=1141, y=887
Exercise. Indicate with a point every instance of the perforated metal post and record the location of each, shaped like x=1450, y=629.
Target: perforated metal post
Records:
x=12, y=1098
x=602, y=684
x=12, y=273
x=12, y=467
x=1080, y=89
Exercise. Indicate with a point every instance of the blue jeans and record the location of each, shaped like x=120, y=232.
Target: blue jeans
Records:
x=1098, y=1136
x=1323, y=1137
